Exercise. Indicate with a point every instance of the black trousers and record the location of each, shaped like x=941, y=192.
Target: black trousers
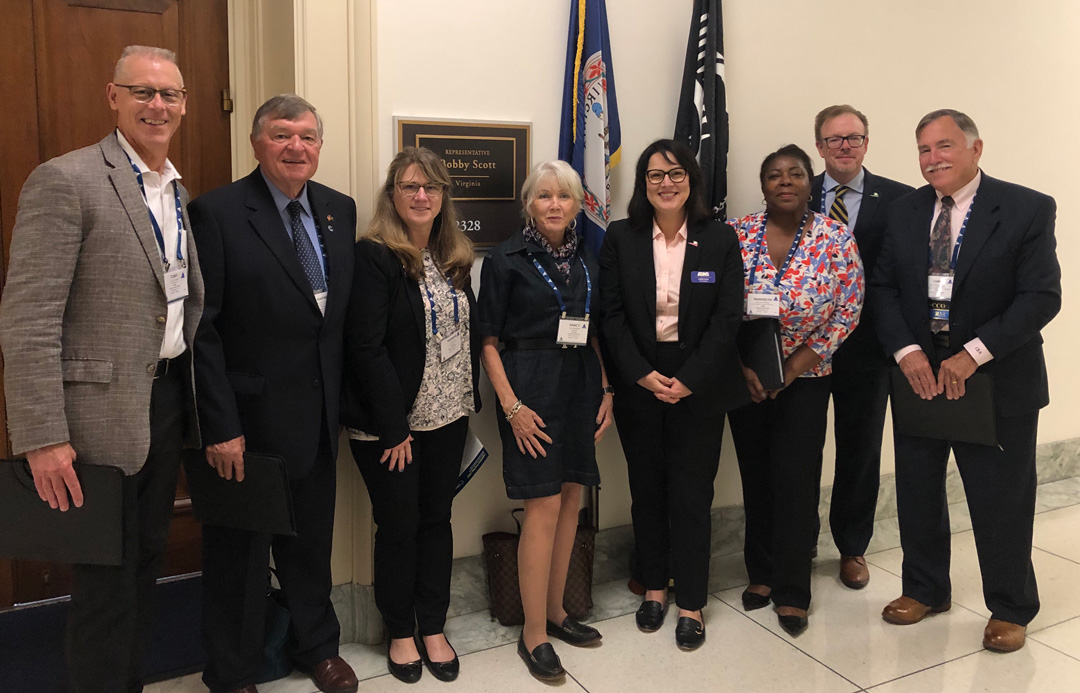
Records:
x=110, y=618
x=1000, y=487
x=236, y=579
x=414, y=543
x=859, y=400
x=672, y=454
x=779, y=443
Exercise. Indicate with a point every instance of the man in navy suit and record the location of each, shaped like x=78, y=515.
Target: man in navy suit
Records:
x=278, y=271
x=853, y=196
x=966, y=280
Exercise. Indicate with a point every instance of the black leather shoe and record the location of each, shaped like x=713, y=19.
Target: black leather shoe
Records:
x=753, y=600
x=689, y=633
x=650, y=616
x=575, y=633
x=543, y=663
x=409, y=672
x=794, y=625
x=444, y=671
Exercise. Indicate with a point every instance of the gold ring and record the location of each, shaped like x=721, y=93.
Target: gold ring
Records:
x=954, y=382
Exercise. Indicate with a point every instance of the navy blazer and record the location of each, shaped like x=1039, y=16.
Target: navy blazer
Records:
x=267, y=362
x=861, y=348
x=385, y=343
x=709, y=313
x=1007, y=286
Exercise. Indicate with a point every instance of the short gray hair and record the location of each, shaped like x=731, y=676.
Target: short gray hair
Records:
x=562, y=172
x=962, y=120
x=284, y=107
x=145, y=52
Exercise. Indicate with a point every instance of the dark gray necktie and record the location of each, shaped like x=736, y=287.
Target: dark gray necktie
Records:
x=941, y=250
x=305, y=251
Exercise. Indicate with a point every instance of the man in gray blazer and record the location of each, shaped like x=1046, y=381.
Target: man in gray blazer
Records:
x=97, y=321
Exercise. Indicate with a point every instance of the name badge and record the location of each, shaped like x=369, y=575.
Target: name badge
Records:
x=762, y=305
x=573, y=332
x=176, y=285
x=939, y=310
x=449, y=345
x=703, y=277
x=939, y=287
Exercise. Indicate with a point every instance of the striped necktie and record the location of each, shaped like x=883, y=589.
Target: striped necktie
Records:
x=838, y=210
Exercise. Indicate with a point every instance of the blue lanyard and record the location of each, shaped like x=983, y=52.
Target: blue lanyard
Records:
x=431, y=303
x=558, y=294
x=153, y=222
x=780, y=271
x=959, y=240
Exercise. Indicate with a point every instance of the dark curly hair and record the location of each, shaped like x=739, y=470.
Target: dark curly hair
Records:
x=792, y=151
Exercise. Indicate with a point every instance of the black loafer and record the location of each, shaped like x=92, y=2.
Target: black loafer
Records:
x=408, y=672
x=444, y=671
x=543, y=663
x=794, y=625
x=575, y=633
x=689, y=633
x=650, y=616
x=753, y=600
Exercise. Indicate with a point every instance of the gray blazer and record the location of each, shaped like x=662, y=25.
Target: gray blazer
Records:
x=83, y=312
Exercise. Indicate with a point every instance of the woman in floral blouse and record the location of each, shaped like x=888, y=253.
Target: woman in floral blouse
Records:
x=411, y=358
x=802, y=269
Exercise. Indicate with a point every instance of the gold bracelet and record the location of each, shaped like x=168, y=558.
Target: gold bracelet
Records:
x=514, y=410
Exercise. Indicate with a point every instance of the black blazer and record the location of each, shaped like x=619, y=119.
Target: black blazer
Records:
x=709, y=314
x=861, y=348
x=267, y=362
x=385, y=342
x=1006, y=288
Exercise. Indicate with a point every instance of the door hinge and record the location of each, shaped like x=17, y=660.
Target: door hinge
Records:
x=226, y=101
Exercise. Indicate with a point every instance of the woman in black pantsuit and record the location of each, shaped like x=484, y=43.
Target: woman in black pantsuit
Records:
x=671, y=294
x=411, y=380
x=537, y=292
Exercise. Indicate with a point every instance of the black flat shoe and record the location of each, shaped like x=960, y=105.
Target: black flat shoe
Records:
x=577, y=634
x=689, y=633
x=543, y=663
x=444, y=671
x=794, y=625
x=650, y=616
x=753, y=600
x=406, y=673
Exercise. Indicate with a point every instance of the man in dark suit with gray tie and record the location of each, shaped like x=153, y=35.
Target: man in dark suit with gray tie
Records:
x=278, y=269
x=849, y=193
x=967, y=279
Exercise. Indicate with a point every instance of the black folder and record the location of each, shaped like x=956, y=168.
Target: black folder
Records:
x=262, y=502
x=970, y=419
x=31, y=530
x=759, y=348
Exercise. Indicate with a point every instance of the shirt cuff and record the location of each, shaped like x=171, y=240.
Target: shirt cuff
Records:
x=978, y=351
x=901, y=353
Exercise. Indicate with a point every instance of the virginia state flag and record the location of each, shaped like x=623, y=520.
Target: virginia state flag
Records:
x=590, y=137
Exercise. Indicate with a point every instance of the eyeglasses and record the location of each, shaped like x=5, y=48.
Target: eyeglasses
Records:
x=411, y=189
x=143, y=94
x=855, y=141
x=656, y=176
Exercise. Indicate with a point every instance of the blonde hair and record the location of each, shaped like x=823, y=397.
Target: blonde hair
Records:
x=451, y=249
x=563, y=174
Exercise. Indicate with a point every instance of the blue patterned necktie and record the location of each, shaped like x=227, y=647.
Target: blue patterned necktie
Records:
x=305, y=251
x=941, y=250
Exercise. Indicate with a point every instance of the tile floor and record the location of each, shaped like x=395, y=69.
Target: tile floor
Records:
x=847, y=647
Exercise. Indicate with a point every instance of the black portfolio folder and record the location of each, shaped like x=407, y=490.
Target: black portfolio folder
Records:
x=31, y=530
x=970, y=419
x=759, y=348
x=261, y=502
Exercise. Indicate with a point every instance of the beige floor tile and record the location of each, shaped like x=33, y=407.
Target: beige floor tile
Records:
x=738, y=655
x=1064, y=637
x=1058, y=532
x=1035, y=669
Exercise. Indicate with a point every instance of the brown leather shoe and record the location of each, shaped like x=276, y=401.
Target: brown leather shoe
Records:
x=334, y=676
x=853, y=572
x=904, y=611
x=250, y=688
x=1002, y=636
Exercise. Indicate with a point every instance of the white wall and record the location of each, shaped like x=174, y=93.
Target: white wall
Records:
x=1012, y=66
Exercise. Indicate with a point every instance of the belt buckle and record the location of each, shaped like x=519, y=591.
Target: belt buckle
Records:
x=159, y=371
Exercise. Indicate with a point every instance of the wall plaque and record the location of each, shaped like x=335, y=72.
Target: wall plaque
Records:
x=488, y=162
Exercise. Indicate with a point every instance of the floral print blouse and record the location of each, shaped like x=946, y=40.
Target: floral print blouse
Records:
x=821, y=291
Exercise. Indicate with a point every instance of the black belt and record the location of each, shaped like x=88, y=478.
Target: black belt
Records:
x=536, y=344
x=165, y=365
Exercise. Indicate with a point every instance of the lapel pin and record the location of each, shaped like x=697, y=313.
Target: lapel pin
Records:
x=329, y=218
x=874, y=194
x=693, y=243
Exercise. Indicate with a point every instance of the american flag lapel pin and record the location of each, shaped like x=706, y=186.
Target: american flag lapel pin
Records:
x=693, y=243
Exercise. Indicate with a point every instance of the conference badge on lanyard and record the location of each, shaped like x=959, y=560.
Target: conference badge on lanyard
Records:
x=573, y=332
x=449, y=339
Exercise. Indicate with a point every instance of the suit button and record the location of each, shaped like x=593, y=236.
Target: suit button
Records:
x=160, y=320
x=151, y=368
x=315, y=383
x=682, y=345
